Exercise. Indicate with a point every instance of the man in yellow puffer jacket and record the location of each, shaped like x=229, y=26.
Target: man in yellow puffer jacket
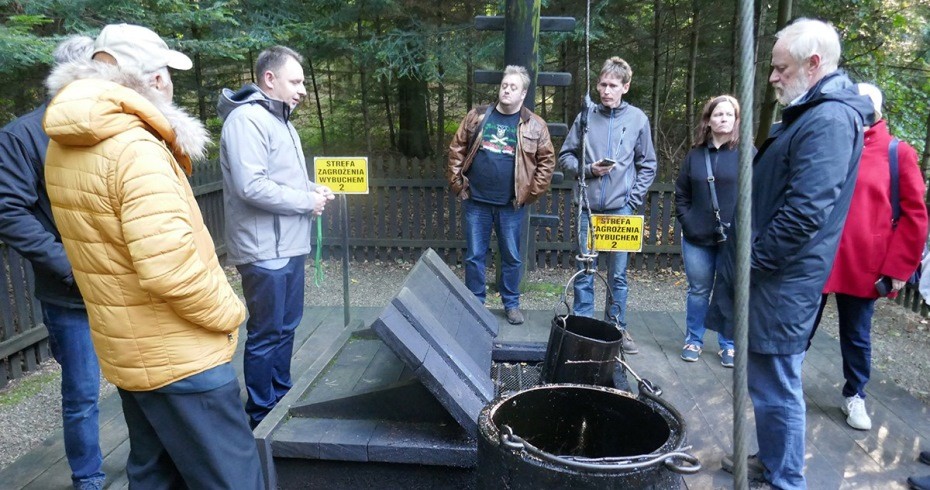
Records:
x=164, y=320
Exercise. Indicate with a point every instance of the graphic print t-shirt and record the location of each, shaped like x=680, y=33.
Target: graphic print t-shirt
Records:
x=490, y=176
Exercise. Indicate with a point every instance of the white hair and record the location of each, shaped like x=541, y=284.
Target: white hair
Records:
x=74, y=48
x=807, y=37
x=875, y=94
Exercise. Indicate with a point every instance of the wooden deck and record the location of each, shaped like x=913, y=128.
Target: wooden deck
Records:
x=837, y=456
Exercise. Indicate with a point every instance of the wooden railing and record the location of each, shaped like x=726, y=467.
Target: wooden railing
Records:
x=410, y=209
x=23, y=338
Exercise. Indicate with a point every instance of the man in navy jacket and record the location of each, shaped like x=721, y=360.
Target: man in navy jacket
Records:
x=26, y=226
x=803, y=180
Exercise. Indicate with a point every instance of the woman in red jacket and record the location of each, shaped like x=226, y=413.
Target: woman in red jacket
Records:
x=872, y=251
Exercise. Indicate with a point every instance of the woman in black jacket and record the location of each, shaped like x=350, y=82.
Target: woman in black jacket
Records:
x=704, y=219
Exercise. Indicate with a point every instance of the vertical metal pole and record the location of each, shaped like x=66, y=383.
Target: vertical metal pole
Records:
x=521, y=41
x=743, y=245
x=345, y=258
x=521, y=47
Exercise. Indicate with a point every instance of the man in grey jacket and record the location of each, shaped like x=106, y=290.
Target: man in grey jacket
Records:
x=270, y=202
x=619, y=165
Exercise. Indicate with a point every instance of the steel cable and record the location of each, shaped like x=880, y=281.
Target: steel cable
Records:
x=743, y=245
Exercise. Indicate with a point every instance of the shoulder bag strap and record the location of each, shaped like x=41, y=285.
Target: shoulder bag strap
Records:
x=895, y=181
x=710, y=182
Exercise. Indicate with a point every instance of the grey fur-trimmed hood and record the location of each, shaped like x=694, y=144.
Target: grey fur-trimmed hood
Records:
x=188, y=138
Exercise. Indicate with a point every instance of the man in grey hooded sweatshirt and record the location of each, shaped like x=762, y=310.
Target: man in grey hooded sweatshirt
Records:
x=619, y=165
x=270, y=202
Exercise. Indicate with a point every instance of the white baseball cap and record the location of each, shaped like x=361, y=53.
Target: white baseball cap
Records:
x=139, y=47
x=875, y=94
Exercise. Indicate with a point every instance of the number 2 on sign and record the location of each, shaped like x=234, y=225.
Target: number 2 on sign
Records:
x=613, y=244
x=342, y=187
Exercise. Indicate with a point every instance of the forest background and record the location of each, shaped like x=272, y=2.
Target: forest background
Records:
x=389, y=77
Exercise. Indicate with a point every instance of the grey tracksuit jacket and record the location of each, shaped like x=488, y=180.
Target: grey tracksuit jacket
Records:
x=267, y=191
x=623, y=135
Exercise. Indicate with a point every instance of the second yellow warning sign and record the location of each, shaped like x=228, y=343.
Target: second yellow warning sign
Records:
x=343, y=175
x=615, y=233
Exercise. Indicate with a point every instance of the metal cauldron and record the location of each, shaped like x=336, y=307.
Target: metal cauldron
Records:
x=580, y=437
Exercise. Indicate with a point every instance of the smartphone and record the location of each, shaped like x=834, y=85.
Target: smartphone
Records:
x=606, y=162
x=883, y=286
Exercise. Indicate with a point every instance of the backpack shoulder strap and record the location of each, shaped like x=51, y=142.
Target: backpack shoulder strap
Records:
x=895, y=181
x=479, y=128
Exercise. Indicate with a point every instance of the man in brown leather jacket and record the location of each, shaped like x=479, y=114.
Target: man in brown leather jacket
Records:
x=500, y=159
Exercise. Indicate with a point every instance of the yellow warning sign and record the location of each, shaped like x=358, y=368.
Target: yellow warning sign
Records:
x=344, y=175
x=617, y=233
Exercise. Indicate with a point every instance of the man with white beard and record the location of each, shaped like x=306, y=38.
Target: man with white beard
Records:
x=803, y=180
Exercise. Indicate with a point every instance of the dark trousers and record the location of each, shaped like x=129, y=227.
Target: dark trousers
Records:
x=275, y=299
x=190, y=440
x=855, y=315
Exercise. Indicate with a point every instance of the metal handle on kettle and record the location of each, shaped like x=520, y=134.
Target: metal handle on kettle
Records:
x=609, y=465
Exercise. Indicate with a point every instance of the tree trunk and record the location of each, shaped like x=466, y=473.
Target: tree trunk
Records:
x=441, y=88
x=319, y=103
x=656, y=54
x=413, y=137
x=252, y=66
x=543, y=112
x=758, y=29
x=574, y=94
x=469, y=82
x=692, y=70
x=441, y=111
x=734, y=53
x=329, y=86
x=558, y=94
x=767, y=110
x=386, y=96
x=430, y=128
x=201, y=97
x=925, y=158
x=198, y=79
x=363, y=83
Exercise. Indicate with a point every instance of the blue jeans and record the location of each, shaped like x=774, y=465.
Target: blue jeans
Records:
x=701, y=268
x=190, y=440
x=69, y=339
x=778, y=401
x=855, y=316
x=507, y=222
x=275, y=299
x=583, y=303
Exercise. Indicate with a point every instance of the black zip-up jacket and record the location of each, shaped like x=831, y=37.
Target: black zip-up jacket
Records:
x=26, y=223
x=693, y=204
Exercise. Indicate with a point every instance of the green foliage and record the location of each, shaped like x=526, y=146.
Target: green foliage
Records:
x=379, y=42
x=885, y=43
